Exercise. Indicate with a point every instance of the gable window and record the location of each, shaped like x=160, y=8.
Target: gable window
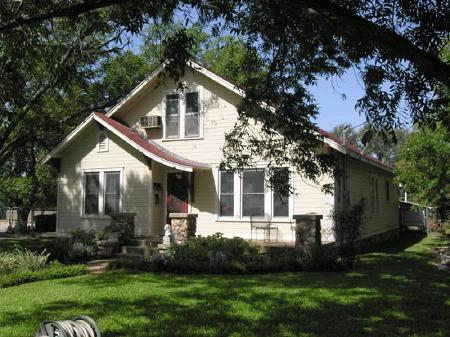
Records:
x=112, y=192
x=281, y=197
x=102, y=142
x=102, y=192
x=92, y=189
x=172, y=129
x=192, y=116
x=182, y=118
x=226, y=193
x=253, y=193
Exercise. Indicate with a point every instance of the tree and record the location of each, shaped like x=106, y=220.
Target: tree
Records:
x=346, y=133
x=378, y=144
x=394, y=45
x=423, y=168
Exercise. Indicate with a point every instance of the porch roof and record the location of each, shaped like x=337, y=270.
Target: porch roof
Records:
x=147, y=147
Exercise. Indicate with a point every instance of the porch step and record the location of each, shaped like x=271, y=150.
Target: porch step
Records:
x=137, y=250
x=150, y=241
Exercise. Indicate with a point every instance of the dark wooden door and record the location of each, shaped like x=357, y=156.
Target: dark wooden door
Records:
x=177, y=193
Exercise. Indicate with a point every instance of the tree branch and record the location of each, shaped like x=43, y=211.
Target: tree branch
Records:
x=69, y=11
x=385, y=39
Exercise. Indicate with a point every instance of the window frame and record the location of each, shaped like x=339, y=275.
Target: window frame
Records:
x=182, y=107
x=102, y=188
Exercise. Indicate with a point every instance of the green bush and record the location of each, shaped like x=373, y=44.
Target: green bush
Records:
x=53, y=271
x=78, y=246
x=22, y=260
x=218, y=255
x=348, y=221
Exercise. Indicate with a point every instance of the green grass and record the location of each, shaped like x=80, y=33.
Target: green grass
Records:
x=396, y=291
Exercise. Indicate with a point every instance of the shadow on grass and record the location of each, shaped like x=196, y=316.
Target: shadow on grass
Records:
x=400, y=294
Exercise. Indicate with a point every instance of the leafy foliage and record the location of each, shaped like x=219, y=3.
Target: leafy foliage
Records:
x=54, y=270
x=378, y=143
x=52, y=51
x=424, y=168
x=218, y=255
x=22, y=260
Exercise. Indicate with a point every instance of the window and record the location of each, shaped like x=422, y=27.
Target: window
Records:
x=102, y=143
x=281, y=195
x=253, y=193
x=226, y=193
x=112, y=192
x=192, y=116
x=172, y=128
x=182, y=116
x=102, y=192
x=92, y=189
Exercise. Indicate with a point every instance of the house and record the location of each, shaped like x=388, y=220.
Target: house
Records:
x=158, y=151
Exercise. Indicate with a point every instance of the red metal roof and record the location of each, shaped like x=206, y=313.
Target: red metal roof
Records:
x=150, y=145
x=352, y=148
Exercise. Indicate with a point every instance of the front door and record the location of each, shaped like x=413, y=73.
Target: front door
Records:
x=177, y=193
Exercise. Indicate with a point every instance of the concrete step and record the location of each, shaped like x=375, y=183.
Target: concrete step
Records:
x=135, y=257
x=145, y=241
x=98, y=266
x=137, y=250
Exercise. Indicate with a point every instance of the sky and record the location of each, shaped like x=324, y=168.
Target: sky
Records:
x=334, y=109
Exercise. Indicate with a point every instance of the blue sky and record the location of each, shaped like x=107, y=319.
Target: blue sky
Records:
x=334, y=109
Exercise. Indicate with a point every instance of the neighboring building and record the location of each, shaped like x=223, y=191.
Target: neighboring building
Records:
x=158, y=151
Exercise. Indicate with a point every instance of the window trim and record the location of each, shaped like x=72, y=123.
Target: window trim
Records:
x=182, y=113
x=102, y=188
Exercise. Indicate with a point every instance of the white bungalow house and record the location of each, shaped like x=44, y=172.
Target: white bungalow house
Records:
x=158, y=151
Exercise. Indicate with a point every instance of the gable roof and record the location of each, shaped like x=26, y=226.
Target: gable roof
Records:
x=147, y=147
x=329, y=139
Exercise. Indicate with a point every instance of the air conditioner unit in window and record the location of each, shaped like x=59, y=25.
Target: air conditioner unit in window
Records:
x=150, y=122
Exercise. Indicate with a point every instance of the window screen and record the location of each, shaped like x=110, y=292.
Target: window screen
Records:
x=253, y=193
x=226, y=193
x=92, y=189
x=112, y=192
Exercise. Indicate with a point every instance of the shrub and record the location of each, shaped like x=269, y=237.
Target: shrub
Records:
x=211, y=254
x=22, y=260
x=347, y=225
x=78, y=246
x=53, y=271
x=218, y=255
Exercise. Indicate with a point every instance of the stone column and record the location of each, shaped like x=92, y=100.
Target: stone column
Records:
x=307, y=230
x=184, y=226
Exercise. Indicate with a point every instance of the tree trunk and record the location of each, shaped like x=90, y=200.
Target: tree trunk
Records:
x=22, y=219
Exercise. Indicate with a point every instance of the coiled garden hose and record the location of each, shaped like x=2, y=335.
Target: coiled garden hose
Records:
x=81, y=326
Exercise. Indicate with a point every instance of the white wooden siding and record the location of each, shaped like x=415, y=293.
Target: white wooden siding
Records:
x=83, y=155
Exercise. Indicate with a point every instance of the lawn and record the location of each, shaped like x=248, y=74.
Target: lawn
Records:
x=396, y=291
